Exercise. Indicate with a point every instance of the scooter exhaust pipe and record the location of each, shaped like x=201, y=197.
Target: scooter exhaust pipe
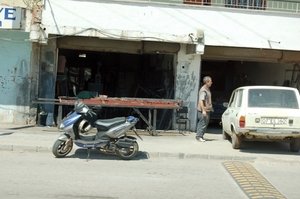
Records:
x=124, y=143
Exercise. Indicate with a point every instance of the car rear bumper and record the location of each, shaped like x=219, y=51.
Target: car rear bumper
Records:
x=270, y=134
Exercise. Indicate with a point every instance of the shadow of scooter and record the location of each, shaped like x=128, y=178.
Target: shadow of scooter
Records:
x=94, y=154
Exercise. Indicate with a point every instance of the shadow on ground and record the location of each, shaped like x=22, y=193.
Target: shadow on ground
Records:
x=21, y=127
x=96, y=155
x=8, y=133
x=256, y=146
x=266, y=148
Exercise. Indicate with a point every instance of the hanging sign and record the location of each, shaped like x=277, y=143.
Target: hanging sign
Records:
x=10, y=18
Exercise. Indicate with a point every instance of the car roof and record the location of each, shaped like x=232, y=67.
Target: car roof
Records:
x=266, y=87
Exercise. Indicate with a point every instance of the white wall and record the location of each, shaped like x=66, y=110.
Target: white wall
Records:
x=222, y=26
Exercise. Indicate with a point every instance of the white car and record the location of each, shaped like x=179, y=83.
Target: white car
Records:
x=263, y=113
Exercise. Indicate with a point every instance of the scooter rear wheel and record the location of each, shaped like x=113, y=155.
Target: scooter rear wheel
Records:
x=61, y=148
x=127, y=153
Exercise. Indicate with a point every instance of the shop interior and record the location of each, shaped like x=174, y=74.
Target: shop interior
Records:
x=117, y=75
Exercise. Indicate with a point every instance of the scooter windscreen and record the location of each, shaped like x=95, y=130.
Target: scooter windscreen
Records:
x=81, y=107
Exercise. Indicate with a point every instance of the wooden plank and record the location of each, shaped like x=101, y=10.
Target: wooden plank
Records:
x=125, y=103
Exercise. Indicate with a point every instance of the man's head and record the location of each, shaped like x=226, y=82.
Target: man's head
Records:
x=207, y=81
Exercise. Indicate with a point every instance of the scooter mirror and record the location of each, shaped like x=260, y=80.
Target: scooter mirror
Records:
x=74, y=90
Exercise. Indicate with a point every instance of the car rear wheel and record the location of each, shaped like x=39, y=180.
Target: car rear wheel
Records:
x=236, y=141
x=295, y=145
x=225, y=136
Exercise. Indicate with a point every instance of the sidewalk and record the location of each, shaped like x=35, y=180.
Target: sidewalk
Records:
x=165, y=145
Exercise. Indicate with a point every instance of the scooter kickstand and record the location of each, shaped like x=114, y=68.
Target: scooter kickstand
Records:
x=88, y=156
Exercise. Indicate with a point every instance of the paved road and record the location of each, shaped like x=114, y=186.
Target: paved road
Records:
x=40, y=175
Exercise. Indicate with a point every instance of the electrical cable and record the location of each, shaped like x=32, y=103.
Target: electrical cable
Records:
x=110, y=35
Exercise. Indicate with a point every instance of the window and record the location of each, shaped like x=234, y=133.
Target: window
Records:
x=246, y=4
x=240, y=97
x=272, y=98
x=233, y=99
x=197, y=2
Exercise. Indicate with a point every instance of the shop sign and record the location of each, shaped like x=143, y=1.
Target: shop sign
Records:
x=10, y=18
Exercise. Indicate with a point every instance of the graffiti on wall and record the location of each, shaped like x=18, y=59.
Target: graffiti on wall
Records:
x=185, y=84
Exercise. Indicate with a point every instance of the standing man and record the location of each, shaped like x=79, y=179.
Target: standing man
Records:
x=204, y=108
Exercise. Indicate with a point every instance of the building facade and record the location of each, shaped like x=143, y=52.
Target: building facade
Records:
x=157, y=49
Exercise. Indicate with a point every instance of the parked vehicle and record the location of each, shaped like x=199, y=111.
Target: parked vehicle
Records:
x=263, y=113
x=216, y=114
x=218, y=98
x=110, y=138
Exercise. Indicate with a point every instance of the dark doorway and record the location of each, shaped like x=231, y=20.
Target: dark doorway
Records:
x=118, y=75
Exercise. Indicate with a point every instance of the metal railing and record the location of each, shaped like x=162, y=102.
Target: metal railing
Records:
x=292, y=6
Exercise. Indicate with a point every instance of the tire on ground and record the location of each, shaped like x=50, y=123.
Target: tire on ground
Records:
x=225, y=136
x=236, y=141
x=132, y=152
x=60, y=148
x=295, y=145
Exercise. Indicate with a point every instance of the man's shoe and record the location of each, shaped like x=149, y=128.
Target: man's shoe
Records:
x=200, y=139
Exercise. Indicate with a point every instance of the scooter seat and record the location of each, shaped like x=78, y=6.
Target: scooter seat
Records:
x=105, y=124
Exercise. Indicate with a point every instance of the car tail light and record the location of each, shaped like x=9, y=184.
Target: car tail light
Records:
x=242, y=121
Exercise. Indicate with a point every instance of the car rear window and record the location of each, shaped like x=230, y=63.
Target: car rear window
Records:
x=272, y=98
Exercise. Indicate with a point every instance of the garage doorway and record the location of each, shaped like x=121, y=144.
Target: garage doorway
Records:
x=228, y=75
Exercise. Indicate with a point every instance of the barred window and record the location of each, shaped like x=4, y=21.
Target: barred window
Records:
x=246, y=4
x=198, y=2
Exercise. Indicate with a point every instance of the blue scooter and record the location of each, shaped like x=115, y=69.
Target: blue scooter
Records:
x=110, y=138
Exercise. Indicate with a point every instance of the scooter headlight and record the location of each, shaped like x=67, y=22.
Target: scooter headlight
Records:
x=131, y=119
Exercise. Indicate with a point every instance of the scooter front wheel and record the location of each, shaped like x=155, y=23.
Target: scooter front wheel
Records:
x=62, y=148
x=127, y=153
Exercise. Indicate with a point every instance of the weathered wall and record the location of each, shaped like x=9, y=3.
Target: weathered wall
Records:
x=14, y=3
x=15, y=78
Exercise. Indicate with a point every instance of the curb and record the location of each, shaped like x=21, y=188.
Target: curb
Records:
x=200, y=156
x=149, y=155
x=141, y=154
x=20, y=148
